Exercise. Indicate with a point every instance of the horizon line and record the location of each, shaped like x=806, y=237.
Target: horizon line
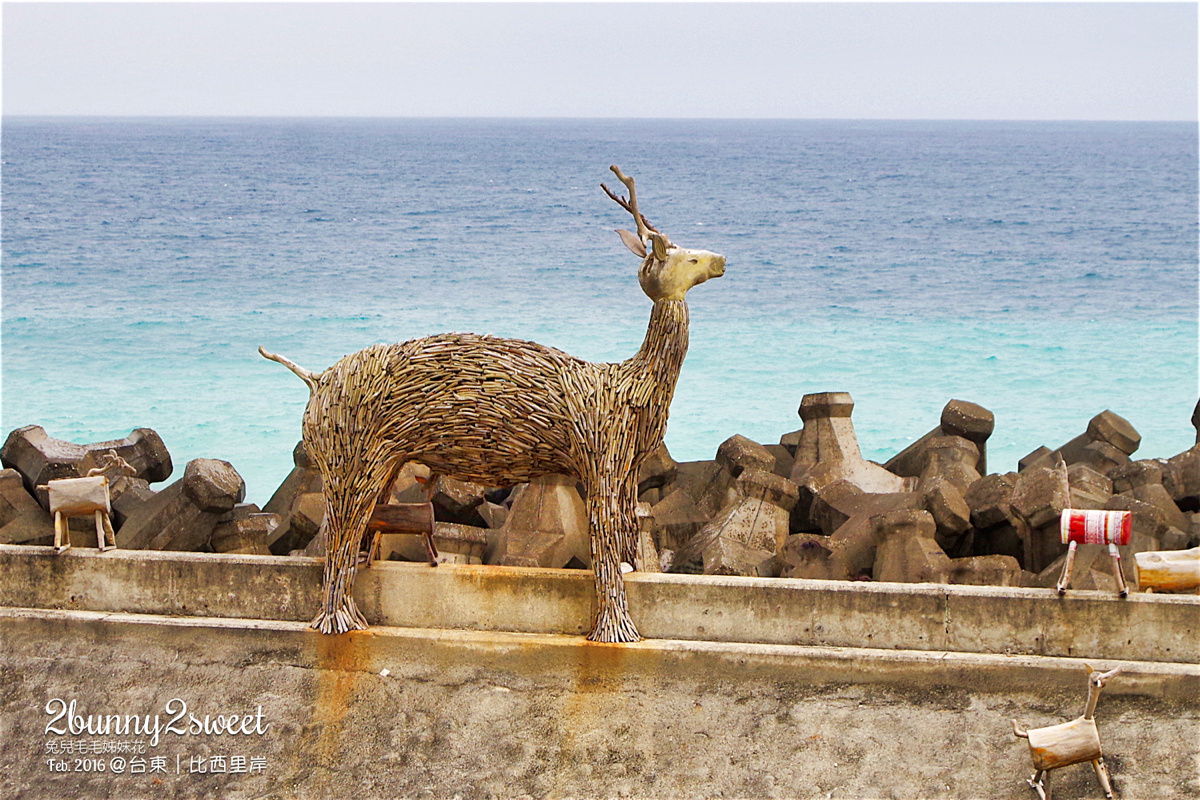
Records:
x=529, y=118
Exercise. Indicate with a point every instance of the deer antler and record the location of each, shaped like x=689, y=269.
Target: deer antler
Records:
x=643, y=225
x=110, y=461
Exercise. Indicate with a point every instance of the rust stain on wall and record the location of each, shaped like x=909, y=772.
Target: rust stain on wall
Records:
x=341, y=665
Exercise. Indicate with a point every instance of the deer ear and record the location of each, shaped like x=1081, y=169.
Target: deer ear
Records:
x=660, y=247
x=632, y=242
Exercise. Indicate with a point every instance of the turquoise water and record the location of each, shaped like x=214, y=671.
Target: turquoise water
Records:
x=1047, y=271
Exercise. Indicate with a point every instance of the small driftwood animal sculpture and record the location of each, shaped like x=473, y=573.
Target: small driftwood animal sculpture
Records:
x=1069, y=743
x=1090, y=527
x=87, y=496
x=500, y=412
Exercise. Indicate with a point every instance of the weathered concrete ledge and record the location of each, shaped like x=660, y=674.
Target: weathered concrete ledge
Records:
x=887, y=616
x=489, y=714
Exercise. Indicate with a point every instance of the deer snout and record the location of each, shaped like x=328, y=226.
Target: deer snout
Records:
x=718, y=267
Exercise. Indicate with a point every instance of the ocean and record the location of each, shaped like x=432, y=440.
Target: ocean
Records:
x=1047, y=271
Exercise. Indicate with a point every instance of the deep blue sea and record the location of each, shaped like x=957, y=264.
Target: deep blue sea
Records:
x=1046, y=271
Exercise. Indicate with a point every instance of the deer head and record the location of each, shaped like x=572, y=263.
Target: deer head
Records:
x=667, y=271
x=1096, y=682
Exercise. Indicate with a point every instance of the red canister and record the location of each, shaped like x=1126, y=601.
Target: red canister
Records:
x=1096, y=527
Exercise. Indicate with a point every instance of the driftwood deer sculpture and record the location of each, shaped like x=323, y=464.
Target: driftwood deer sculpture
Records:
x=1069, y=743
x=500, y=412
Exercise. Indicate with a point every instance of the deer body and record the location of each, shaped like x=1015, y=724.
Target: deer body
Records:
x=499, y=412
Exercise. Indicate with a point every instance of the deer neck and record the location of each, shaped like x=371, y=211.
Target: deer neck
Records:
x=1093, y=696
x=661, y=355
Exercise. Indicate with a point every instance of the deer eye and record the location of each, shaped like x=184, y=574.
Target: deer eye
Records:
x=693, y=261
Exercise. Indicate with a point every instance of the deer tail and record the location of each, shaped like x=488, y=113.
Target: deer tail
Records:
x=1020, y=733
x=307, y=376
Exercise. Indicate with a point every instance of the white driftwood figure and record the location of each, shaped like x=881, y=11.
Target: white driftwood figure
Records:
x=1168, y=570
x=1069, y=743
x=87, y=496
x=500, y=412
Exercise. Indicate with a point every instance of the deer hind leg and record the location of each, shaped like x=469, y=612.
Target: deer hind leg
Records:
x=349, y=501
x=99, y=515
x=1102, y=775
x=1041, y=783
x=612, y=523
x=62, y=536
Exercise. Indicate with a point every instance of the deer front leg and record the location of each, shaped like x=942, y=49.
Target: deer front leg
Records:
x=1102, y=775
x=612, y=523
x=62, y=536
x=347, y=510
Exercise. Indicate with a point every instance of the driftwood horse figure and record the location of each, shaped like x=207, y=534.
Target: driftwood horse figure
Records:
x=500, y=412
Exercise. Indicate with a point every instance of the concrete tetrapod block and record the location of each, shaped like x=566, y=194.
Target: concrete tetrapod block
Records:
x=767, y=487
x=1182, y=479
x=1108, y=441
x=807, y=555
x=1103, y=457
x=990, y=500
x=1156, y=495
x=411, y=484
x=1038, y=500
x=992, y=570
x=1089, y=488
x=549, y=505
x=646, y=556
x=906, y=550
x=458, y=501
x=1037, y=458
x=841, y=500
x=294, y=532
x=41, y=458
x=950, y=512
x=725, y=556
x=708, y=485
x=677, y=519
x=245, y=530
x=1136, y=473
x=306, y=521
x=182, y=516
x=494, y=514
x=751, y=522
x=828, y=433
x=834, y=504
x=950, y=458
x=828, y=451
x=738, y=453
x=1115, y=430
x=851, y=548
x=784, y=461
x=22, y=518
x=1040, y=495
x=1003, y=540
x=959, y=418
x=657, y=470
x=1149, y=523
x=757, y=519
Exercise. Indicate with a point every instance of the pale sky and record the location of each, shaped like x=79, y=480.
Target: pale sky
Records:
x=1110, y=61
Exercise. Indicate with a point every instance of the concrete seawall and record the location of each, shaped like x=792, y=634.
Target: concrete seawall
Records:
x=973, y=619
x=748, y=688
